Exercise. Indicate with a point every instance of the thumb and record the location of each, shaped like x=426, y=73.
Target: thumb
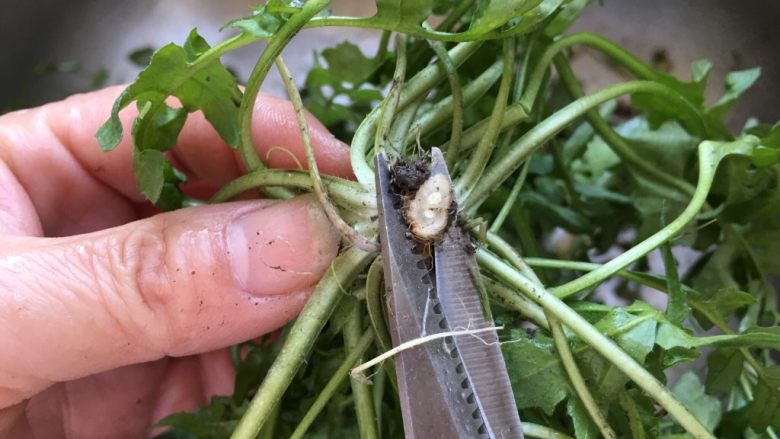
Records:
x=176, y=284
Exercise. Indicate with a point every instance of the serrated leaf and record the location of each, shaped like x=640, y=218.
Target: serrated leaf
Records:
x=211, y=89
x=261, y=24
x=690, y=393
x=535, y=372
x=737, y=83
x=635, y=335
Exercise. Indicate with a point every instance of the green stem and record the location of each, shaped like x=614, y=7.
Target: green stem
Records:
x=275, y=45
x=402, y=127
x=531, y=430
x=616, y=142
x=333, y=384
x=457, y=102
x=517, y=303
x=570, y=366
x=481, y=155
x=634, y=421
x=415, y=87
x=390, y=104
x=536, y=136
x=374, y=304
x=361, y=393
x=597, y=340
x=346, y=193
x=675, y=305
x=510, y=200
x=327, y=206
x=707, y=166
x=514, y=115
x=301, y=338
x=615, y=52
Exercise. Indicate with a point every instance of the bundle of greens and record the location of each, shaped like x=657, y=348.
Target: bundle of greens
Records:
x=558, y=178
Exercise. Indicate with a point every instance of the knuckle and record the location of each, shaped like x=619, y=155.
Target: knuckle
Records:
x=140, y=276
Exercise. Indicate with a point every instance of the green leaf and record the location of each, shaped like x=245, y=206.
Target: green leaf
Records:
x=149, y=170
x=584, y=428
x=209, y=88
x=763, y=411
x=346, y=62
x=492, y=14
x=690, y=393
x=261, y=24
x=723, y=369
x=737, y=83
x=670, y=336
x=763, y=157
x=213, y=421
x=157, y=131
x=535, y=372
x=141, y=56
x=403, y=13
x=727, y=300
x=635, y=335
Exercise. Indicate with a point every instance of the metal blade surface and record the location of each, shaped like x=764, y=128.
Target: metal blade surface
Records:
x=456, y=276
x=429, y=386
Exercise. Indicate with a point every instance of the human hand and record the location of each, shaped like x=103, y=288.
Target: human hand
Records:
x=112, y=319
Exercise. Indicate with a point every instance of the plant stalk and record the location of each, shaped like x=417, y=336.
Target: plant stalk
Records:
x=301, y=338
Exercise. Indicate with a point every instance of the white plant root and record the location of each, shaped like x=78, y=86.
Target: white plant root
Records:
x=428, y=212
x=357, y=372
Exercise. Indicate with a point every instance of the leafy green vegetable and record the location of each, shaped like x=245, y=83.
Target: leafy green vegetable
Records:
x=571, y=180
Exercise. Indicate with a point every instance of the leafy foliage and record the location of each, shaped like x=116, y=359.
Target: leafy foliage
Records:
x=579, y=198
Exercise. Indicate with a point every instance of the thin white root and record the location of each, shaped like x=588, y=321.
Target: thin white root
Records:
x=357, y=372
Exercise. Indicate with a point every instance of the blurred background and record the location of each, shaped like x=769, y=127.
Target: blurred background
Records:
x=50, y=49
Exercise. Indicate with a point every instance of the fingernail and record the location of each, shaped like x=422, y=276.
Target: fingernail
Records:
x=281, y=248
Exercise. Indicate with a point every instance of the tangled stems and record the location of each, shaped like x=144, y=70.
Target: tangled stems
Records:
x=275, y=45
x=303, y=334
x=542, y=132
x=597, y=340
x=710, y=154
x=415, y=87
x=559, y=338
x=445, y=108
x=346, y=231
